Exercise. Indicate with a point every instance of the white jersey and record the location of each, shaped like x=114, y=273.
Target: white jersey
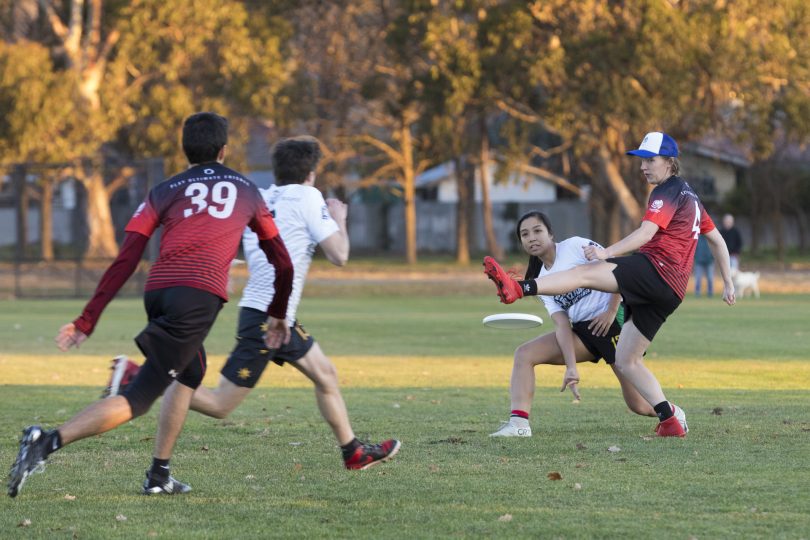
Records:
x=303, y=220
x=580, y=304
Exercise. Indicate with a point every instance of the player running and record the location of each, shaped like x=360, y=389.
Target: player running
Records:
x=305, y=221
x=203, y=212
x=653, y=281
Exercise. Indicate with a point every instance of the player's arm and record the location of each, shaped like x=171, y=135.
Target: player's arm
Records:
x=720, y=252
x=629, y=243
x=600, y=325
x=565, y=339
x=73, y=334
x=336, y=245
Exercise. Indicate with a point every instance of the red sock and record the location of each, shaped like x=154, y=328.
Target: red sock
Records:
x=519, y=413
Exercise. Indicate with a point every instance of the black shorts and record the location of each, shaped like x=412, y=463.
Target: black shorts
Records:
x=250, y=355
x=179, y=321
x=648, y=299
x=599, y=346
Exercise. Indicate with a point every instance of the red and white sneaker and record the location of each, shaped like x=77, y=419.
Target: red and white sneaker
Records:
x=670, y=427
x=124, y=371
x=681, y=416
x=370, y=454
x=508, y=289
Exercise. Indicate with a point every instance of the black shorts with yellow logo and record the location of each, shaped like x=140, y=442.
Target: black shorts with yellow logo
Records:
x=250, y=355
x=599, y=346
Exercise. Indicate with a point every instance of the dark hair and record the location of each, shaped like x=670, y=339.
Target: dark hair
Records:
x=535, y=264
x=204, y=135
x=294, y=158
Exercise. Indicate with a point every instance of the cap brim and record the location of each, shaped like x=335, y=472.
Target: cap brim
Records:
x=642, y=153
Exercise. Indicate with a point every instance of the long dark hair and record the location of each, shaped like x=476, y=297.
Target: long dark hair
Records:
x=535, y=264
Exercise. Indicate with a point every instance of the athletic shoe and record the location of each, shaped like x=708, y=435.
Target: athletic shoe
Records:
x=124, y=371
x=169, y=486
x=670, y=427
x=681, y=416
x=508, y=289
x=30, y=459
x=509, y=429
x=368, y=455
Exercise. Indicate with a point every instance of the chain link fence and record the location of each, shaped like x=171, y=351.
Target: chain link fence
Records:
x=45, y=231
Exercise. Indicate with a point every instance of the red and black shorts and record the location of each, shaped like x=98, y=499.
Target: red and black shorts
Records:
x=250, y=356
x=648, y=299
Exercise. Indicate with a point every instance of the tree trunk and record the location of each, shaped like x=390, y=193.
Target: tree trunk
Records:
x=611, y=173
x=486, y=204
x=101, y=241
x=21, y=202
x=46, y=219
x=409, y=192
x=462, y=214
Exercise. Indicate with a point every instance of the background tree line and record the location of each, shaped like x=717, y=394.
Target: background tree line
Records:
x=393, y=87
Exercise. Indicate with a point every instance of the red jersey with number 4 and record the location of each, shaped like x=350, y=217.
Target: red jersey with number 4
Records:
x=203, y=211
x=681, y=218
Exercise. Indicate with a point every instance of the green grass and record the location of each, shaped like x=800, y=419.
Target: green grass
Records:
x=423, y=369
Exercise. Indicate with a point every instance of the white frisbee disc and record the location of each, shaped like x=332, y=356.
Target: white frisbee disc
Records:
x=512, y=320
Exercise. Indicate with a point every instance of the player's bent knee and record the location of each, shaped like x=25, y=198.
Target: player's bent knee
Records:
x=145, y=389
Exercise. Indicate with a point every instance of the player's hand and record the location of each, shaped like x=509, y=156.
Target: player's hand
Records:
x=600, y=324
x=278, y=333
x=571, y=380
x=337, y=209
x=595, y=253
x=729, y=294
x=69, y=336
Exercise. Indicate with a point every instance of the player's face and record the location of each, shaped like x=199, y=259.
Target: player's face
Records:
x=655, y=169
x=534, y=237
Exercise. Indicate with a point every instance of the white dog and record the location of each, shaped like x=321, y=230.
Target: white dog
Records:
x=744, y=282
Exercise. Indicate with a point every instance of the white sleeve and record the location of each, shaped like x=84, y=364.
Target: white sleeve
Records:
x=318, y=220
x=551, y=306
x=576, y=245
x=253, y=253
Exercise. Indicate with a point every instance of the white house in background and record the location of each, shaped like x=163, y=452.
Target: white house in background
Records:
x=527, y=184
x=713, y=167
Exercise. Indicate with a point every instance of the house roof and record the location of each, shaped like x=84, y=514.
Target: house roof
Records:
x=447, y=169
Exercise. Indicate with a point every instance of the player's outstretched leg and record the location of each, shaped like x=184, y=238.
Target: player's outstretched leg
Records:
x=368, y=455
x=30, y=459
x=508, y=289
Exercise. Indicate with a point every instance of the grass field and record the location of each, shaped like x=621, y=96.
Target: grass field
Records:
x=423, y=369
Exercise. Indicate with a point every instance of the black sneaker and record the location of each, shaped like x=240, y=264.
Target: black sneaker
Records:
x=159, y=486
x=30, y=459
x=370, y=454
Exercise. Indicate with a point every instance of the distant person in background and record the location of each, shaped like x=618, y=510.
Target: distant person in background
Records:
x=734, y=243
x=704, y=266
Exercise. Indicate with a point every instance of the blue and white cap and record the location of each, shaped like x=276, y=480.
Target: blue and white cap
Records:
x=656, y=143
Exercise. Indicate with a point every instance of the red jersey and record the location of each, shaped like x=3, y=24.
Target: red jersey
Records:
x=203, y=211
x=681, y=218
